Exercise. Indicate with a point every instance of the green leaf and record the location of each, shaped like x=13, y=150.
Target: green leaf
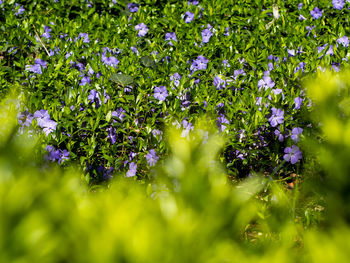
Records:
x=147, y=61
x=122, y=79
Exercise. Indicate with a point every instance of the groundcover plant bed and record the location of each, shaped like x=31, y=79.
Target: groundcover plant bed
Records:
x=167, y=131
x=101, y=80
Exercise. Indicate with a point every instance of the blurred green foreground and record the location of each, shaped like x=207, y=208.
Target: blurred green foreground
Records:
x=189, y=213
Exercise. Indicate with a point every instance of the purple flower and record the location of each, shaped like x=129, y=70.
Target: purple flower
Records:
x=291, y=52
x=336, y=66
x=176, y=77
x=36, y=68
x=119, y=114
x=142, y=29
x=53, y=154
x=132, y=170
x=277, y=117
x=187, y=127
x=160, y=93
x=112, y=135
x=192, y=2
x=300, y=6
x=151, y=157
x=188, y=17
x=84, y=36
x=85, y=80
x=316, y=13
x=133, y=7
x=343, y=41
x=218, y=82
x=25, y=118
x=134, y=49
x=298, y=101
x=41, y=116
x=221, y=121
x=301, y=66
x=49, y=126
x=296, y=132
x=266, y=82
x=227, y=31
x=200, y=63
x=110, y=61
x=225, y=64
x=330, y=51
x=94, y=97
x=47, y=31
x=169, y=37
x=279, y=135
x=292, y=154
x=338, y=4
x=63, y=156
x=20, y=9
x=206, y=35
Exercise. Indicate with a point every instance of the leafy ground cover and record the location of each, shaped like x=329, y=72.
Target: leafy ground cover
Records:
x=100, y=81
x=169, y=99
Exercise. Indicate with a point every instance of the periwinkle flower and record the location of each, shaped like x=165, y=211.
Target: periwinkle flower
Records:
x=37, y=67
x=110, y=61
x=135, y=51
x=298, y=101
x=112, y=134
x=187, y=127
x=188, y=17
x=338, y=4
x=25, y=118
x=119, y=113
x=206, y=35
x=169, y=37
x=85, y=37
x=152, y=157
x=132, y=170
x=266, y=82
x=344, y=41
x=276, y=117
x=221, y=121
x=301, y=66
x=46, y=33
x=49, y=126
x=53, y=154
x=94, y=97
x=316, y=13
x=336, y=66
x=219, y=82
x=20, y=10
x=160, y=93
x=279, y=135
x=41, y=117
x=63, y=156
x=192, y=2
x=296, y=132
x=133, y=7
x=300, y=6
x=141, y=29
x=292, y=154
x=226, y=64
x=200, y=63
x=175, y=78
x=227, y=31
x=291, y=52
x=330, y=51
